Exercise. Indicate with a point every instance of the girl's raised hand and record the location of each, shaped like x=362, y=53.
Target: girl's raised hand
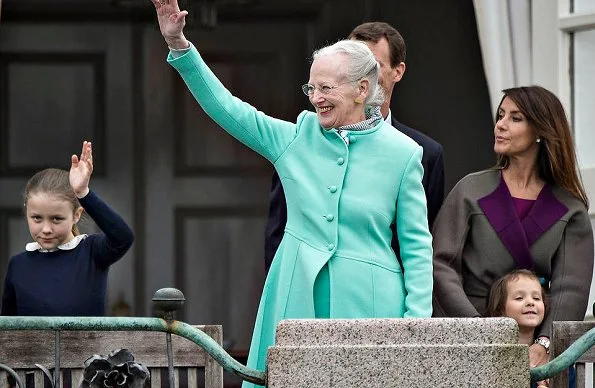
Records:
x=171, y=22
x=81, y=169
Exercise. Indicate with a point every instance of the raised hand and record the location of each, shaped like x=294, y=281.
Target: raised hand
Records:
x=171, y=22
x=81, y=169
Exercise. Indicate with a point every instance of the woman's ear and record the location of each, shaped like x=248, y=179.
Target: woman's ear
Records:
x=78, y=213
x=363, y=88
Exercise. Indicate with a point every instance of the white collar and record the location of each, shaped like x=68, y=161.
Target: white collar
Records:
x=64, y=247
x=389, y=118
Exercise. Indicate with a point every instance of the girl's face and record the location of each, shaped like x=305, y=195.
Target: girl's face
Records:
x=50, y=219
x=524, y=302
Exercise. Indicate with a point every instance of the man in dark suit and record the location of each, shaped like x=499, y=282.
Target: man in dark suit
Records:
x=388, y=47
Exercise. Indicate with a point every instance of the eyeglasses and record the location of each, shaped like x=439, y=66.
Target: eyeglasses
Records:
x=309, y=89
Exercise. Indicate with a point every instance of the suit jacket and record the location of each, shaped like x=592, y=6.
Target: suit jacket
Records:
x=433, y=183
x=479, y=238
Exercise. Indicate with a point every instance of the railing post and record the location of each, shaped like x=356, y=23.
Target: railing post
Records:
x=57, y=361
x=166, y=301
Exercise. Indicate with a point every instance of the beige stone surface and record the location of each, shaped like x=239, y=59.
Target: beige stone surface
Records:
x=450, y=352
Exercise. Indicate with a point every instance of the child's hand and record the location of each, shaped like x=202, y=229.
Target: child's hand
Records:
x=80, y=170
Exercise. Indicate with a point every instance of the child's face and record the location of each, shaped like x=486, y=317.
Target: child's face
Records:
x=524, y=302
x=50, y=219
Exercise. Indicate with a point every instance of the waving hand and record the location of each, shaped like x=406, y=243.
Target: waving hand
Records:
x=171, y=22
x=81, y=169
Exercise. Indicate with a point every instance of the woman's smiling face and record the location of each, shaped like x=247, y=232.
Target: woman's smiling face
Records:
x=332, y=94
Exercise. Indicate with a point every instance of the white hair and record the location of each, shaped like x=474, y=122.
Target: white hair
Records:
x=361, y=64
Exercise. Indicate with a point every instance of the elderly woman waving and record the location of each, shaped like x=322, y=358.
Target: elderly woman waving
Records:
x=347, y=174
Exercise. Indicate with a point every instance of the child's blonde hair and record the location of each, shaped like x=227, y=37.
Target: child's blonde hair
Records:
x=499, y=291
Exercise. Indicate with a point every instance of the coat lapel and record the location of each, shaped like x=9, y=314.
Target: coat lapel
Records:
x=499, y=209
x=518, y=236
x=544, y=213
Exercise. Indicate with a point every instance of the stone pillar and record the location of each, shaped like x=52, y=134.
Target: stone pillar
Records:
x=436, y=352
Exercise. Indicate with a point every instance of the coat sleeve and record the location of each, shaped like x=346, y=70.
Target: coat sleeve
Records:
x=572, y=272
x=450, y=233
x=117, y=236
x=415, y=240
x=9, y=302
x=264, y=134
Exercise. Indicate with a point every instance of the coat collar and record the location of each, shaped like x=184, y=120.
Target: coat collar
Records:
x=518, y=236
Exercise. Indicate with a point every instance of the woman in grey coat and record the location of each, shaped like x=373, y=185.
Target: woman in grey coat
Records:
x=530, y=211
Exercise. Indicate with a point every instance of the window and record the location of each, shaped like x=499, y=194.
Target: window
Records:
x=563, y=43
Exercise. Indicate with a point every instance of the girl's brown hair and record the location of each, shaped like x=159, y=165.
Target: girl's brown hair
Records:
x=56, y=182
x=499, y=291
x=556, y=158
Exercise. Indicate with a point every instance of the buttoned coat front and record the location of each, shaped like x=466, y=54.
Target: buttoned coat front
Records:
x=341, y=201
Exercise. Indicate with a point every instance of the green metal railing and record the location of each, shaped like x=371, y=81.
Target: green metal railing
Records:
x=167, y=301
x=137, y=324
x=566, y=359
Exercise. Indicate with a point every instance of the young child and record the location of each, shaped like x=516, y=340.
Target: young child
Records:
x=64, y=273
x=519, y=295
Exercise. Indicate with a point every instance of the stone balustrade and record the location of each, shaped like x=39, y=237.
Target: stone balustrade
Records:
x=437, y=352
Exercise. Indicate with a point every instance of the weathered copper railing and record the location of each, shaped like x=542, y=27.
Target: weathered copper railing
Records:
x=137, y=324
x=566, y=359
x=169, y=300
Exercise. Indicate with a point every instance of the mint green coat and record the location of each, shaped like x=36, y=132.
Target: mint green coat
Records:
x=341, y=201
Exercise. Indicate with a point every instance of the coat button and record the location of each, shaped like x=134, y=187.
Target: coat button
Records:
x=329, y=217
x=340, y=161
x=330, y=247
x=332, y=189
x=352, y=139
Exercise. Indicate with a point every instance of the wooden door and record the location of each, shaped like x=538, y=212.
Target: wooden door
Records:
x=60, y=84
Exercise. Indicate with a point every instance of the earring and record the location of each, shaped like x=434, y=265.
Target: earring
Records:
x=359, y=100
x=538, y=140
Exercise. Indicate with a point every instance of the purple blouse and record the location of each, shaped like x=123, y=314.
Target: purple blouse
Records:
x=522, y=206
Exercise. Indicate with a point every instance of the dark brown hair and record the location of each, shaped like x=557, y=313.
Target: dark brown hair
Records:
x=56, y=182
x=375, y=31
x=556, y=158
x=499, y=291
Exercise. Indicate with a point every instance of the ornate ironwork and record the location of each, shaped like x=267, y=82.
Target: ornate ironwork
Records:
x=167, y=301
x=13, y=374
x=48, y=374
x=117, y=369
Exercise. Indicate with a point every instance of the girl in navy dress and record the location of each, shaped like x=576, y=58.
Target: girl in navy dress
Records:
x=62, y=272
